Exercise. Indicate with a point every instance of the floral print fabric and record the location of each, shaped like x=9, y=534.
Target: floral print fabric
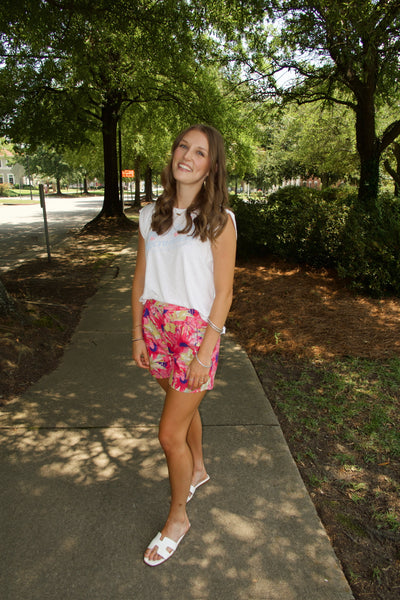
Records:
x=173, y=335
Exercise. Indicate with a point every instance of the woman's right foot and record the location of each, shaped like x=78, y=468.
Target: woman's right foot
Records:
x=173, y=531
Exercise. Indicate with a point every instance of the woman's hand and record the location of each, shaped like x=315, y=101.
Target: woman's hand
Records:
x=197, y=375
x=139, y=354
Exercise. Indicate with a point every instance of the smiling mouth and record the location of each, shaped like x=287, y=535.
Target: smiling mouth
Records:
x=184, y=167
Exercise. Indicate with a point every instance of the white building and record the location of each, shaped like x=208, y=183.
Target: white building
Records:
x=11, y=173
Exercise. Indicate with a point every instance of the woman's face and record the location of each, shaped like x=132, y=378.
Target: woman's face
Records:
x=191, y=162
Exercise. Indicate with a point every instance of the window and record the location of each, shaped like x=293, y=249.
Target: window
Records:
x=11, y=179
x=1, y=179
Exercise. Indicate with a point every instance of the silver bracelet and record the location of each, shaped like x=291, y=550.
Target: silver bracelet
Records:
x=136, y=339
x=202, y=364
x=220, y=330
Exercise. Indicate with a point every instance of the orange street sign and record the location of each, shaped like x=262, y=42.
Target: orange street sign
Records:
x=128, y=173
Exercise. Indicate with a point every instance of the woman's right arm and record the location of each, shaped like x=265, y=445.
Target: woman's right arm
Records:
x=139, y=351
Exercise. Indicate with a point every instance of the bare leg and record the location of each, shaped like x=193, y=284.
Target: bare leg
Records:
x=177, y=416
x=195, y=442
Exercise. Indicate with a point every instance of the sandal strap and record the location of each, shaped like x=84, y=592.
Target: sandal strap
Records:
x=163, y=545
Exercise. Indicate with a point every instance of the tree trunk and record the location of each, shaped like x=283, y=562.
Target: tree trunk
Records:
x=325, y=180
x=368, y=150
x=137, y=202
x=85, y=185
x=112, y=214
x=112, y=206
x=58, y=184
x=148, y=184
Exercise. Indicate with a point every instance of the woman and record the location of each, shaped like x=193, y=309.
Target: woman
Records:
x=181, y=295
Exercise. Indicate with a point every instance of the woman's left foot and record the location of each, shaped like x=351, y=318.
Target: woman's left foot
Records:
x=194, y=487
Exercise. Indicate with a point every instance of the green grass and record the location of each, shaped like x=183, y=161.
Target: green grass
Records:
x=341, y=420
x=22, y=200
x=21, y=193
x=353, y=399
x=389, y=520
x=23, y=196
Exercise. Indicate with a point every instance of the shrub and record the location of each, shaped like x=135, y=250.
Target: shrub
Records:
x=327, y=228
x=252, y=227
x=307, y=225
x=370, y=250
x=295, y=223
x=4, y=189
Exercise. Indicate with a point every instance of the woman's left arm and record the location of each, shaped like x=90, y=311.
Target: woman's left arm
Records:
x=224, y=256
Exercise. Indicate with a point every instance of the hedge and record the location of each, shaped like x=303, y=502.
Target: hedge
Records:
x=326, y=229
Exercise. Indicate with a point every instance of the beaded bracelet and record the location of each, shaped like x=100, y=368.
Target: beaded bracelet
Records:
x=202, y=364
x=220, y=330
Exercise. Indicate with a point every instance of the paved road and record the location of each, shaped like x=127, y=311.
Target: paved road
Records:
x=22, y=228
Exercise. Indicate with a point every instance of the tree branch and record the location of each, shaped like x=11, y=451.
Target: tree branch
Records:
x=395, y=176
x=389, y=135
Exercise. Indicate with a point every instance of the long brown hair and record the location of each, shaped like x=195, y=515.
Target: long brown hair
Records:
x=212, y=199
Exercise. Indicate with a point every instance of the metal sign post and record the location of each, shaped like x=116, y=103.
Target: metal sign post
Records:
x=46, y=230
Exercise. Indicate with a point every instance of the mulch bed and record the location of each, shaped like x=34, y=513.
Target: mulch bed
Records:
x=309, y=313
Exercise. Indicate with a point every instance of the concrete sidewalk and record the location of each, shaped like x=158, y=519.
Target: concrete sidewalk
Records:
x=84, y=483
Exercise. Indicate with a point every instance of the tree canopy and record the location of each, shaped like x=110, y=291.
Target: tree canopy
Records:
x=340, y=51
x=70, y=69
x=84, y=64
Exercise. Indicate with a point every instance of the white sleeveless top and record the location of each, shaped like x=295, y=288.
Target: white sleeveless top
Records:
x=179, y=267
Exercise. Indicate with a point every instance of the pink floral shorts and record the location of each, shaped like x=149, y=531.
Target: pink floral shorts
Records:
x=173, y=335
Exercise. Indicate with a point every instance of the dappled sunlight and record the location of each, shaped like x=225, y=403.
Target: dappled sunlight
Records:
x=86, y=456
x=105, y=492
x=128, y=397
x=257, y=456
x=113, y=482
x=85, y=482
x=243, y=529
